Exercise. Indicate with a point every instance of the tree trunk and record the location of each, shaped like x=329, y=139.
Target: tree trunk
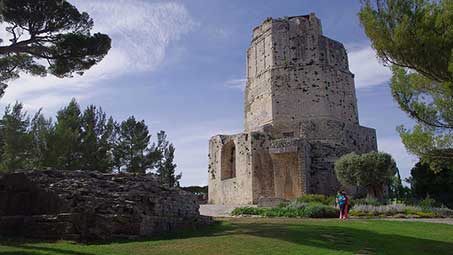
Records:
x=376, y=192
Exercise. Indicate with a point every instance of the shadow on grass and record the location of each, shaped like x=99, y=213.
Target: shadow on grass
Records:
x=347, y=238
x=344, y=238
x=30, y=247
x=38, y=250
x=340, y=238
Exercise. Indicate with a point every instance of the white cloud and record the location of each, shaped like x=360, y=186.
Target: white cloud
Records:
x=395, y=147
x=140, y=31
x=366, y=67
x=236, y=83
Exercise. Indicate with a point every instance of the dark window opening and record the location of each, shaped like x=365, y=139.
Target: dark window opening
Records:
x=228, y=161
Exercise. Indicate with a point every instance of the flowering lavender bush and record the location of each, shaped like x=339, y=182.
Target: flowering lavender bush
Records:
x=401, y=210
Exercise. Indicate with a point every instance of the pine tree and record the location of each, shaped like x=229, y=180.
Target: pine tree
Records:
x=42, y=37
x=65, y=142
x=166, y=166
x=16, y=139
x=132, y=152
x=41, y=130
x=416, y=39
x=97, y=140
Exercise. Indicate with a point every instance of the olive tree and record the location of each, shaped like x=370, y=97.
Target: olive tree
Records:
x=373, y=170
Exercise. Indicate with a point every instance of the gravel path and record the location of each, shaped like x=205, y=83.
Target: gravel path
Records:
x=448, y=221
x=225, y=211
x=219, y=210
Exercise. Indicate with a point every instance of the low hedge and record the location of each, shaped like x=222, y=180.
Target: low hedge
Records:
x=400, y=210
x=309, y=210
x=316, y=198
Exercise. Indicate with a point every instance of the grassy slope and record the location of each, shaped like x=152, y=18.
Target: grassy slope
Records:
x=271, y=236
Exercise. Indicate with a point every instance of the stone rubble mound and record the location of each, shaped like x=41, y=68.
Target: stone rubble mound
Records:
x=87, y=206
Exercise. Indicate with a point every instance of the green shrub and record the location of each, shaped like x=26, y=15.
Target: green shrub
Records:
x=365, y=201
x=320, y=211
x=316, y=198
x=305, y=210
x=247, y=211
x=360, y=214
x=442, y=212
x=283, y=204
x=426, y=214
x=427, y=203
x=399, y=210
x=296, y=205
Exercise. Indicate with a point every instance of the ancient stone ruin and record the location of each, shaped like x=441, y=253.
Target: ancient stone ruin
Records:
x=300, y=116
x=82, y=205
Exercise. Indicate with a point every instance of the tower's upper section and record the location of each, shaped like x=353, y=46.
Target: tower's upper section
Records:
x=295, y=74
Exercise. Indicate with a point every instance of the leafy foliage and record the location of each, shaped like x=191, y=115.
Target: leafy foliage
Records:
x=432, y=138
x=50, y=30
x=165, y=166
x=308, y=210
x=396, y=190
x=16, y=139
x=426, y=183
x=132, y=153
x=97, y=140
x=83, y=140
x=400, y=210
x=196, y=189
x=416, y=38
x=365, y=201
x=371, y=170
x=41, y=131
x=316, y=198
x=65, y=143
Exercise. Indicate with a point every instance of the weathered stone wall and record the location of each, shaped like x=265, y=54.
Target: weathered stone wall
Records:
x=295, y=73
x=263, y=173
x=231, y=190
x=300, y=115
x=84, y=205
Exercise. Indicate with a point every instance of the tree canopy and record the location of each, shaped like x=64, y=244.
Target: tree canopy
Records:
x=415, y=37
x=425, y=183
x=166, y=166
x=372, y=170
x=47, y=36
x=83, y=140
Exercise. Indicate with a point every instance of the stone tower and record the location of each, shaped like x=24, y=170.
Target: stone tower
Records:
x=300, y=116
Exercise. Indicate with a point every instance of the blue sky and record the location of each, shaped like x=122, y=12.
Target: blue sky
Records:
x=180, y=66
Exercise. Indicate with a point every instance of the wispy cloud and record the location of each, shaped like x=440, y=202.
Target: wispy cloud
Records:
x=236, y=83
x=140, y=31
x=366, y=67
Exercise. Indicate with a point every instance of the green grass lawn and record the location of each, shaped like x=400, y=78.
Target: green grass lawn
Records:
x=270, y=236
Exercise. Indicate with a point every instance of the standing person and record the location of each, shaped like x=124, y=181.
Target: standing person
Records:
x=341, y=201
x=346, y=206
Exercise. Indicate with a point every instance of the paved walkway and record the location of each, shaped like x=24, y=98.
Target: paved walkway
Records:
x=225, y=211
x=219, y=210
x=448, y=221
